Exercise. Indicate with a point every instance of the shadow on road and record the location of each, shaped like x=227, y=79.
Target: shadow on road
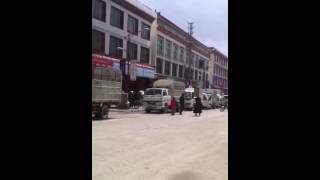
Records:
x=185, y=175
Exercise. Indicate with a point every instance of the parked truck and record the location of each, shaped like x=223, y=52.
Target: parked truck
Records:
x=159, y=96
x=106, y=90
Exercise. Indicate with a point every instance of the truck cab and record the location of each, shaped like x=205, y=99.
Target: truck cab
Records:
x=156, y=99
x=159, y=96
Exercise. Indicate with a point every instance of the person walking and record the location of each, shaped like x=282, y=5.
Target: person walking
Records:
x=181, y=104
x=173, y=105
x=198, y=107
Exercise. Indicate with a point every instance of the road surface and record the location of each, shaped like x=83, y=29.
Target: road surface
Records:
x=138, y=146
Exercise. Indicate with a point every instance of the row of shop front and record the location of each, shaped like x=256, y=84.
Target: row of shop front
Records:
x=144, y=74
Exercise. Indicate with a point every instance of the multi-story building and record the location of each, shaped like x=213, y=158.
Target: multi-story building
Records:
x=126, y=31
x=219, y=70
x=169, y=54
x=121, y=35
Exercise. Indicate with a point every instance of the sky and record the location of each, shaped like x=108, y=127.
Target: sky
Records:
x=210, y=19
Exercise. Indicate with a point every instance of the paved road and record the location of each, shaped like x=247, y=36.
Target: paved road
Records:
x=140, y=146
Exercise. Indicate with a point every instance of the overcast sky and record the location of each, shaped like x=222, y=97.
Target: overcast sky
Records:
x=210, y=18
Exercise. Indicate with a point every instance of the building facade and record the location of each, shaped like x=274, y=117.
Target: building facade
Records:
x=121, y=34
x=219, y=70
x=170, y=58
x=126, y=31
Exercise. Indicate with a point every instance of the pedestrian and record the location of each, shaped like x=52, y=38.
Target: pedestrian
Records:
x=197, y=107
x=173, y=105
x=131, y=99
x=136, y=99
x=181, y=103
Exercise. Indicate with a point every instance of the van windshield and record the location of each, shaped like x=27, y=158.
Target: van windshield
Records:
x=153, y=92
x=188, y=95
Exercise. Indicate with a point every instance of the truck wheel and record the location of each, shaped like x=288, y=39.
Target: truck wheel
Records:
x=103, y=112
x=148, y=110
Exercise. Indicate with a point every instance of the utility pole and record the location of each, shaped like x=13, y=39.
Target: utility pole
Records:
x=188, y=74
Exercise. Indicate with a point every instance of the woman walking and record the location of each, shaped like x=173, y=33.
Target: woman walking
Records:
x=197, y=107
x=173, y=105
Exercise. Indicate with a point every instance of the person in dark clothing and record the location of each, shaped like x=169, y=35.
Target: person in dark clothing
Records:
x=197, y=107
x=131, y=99
x=181, y=104
x=137, y=98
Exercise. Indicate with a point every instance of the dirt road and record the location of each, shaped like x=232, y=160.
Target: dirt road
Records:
x=142, y=146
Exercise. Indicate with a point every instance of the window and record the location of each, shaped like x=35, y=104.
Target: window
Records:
x=164, y=93
x=98, y=41
x=191, y=74
x=175, y=51
x=207, y=65
x=132, y=51
x=168, y=49
x=160, y=45
x=191, y=60
x=181, y=54
x=167, y=68
x=201, y=64
x=132, y=25
x=204, y=97
x=180, y=71
x=206, y=77
x=197, y=61
x=145, y=31
x=196, y=75
x=116, y=17
x=159, y=65
x=174, y=69
x=99, y=10
x=144, y=55
x=113, y=46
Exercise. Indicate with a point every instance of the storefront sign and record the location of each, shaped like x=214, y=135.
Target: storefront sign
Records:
x=101, y=61
x=138, y=70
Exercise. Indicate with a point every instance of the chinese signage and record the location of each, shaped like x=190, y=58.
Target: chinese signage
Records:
x=132, y=68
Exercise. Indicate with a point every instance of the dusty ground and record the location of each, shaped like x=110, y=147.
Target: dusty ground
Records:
x=138, y=146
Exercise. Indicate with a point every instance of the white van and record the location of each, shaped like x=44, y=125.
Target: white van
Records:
x=215, y=100
x=189, y=99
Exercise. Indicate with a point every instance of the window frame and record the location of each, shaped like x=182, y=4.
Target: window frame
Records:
x=136, y=28
x=112, y=9
x=104, y=10
x=148, y=57
x=102, y=49
x=143, y=25
x=118, y=51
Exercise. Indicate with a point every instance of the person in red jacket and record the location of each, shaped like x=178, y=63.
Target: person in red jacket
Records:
x=173, y=105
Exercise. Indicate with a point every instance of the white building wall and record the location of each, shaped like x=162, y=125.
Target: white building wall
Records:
x=122, y=33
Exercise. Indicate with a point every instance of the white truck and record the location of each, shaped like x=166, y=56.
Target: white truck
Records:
x=189, y=96
x=106, y=90
x=159, y=96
